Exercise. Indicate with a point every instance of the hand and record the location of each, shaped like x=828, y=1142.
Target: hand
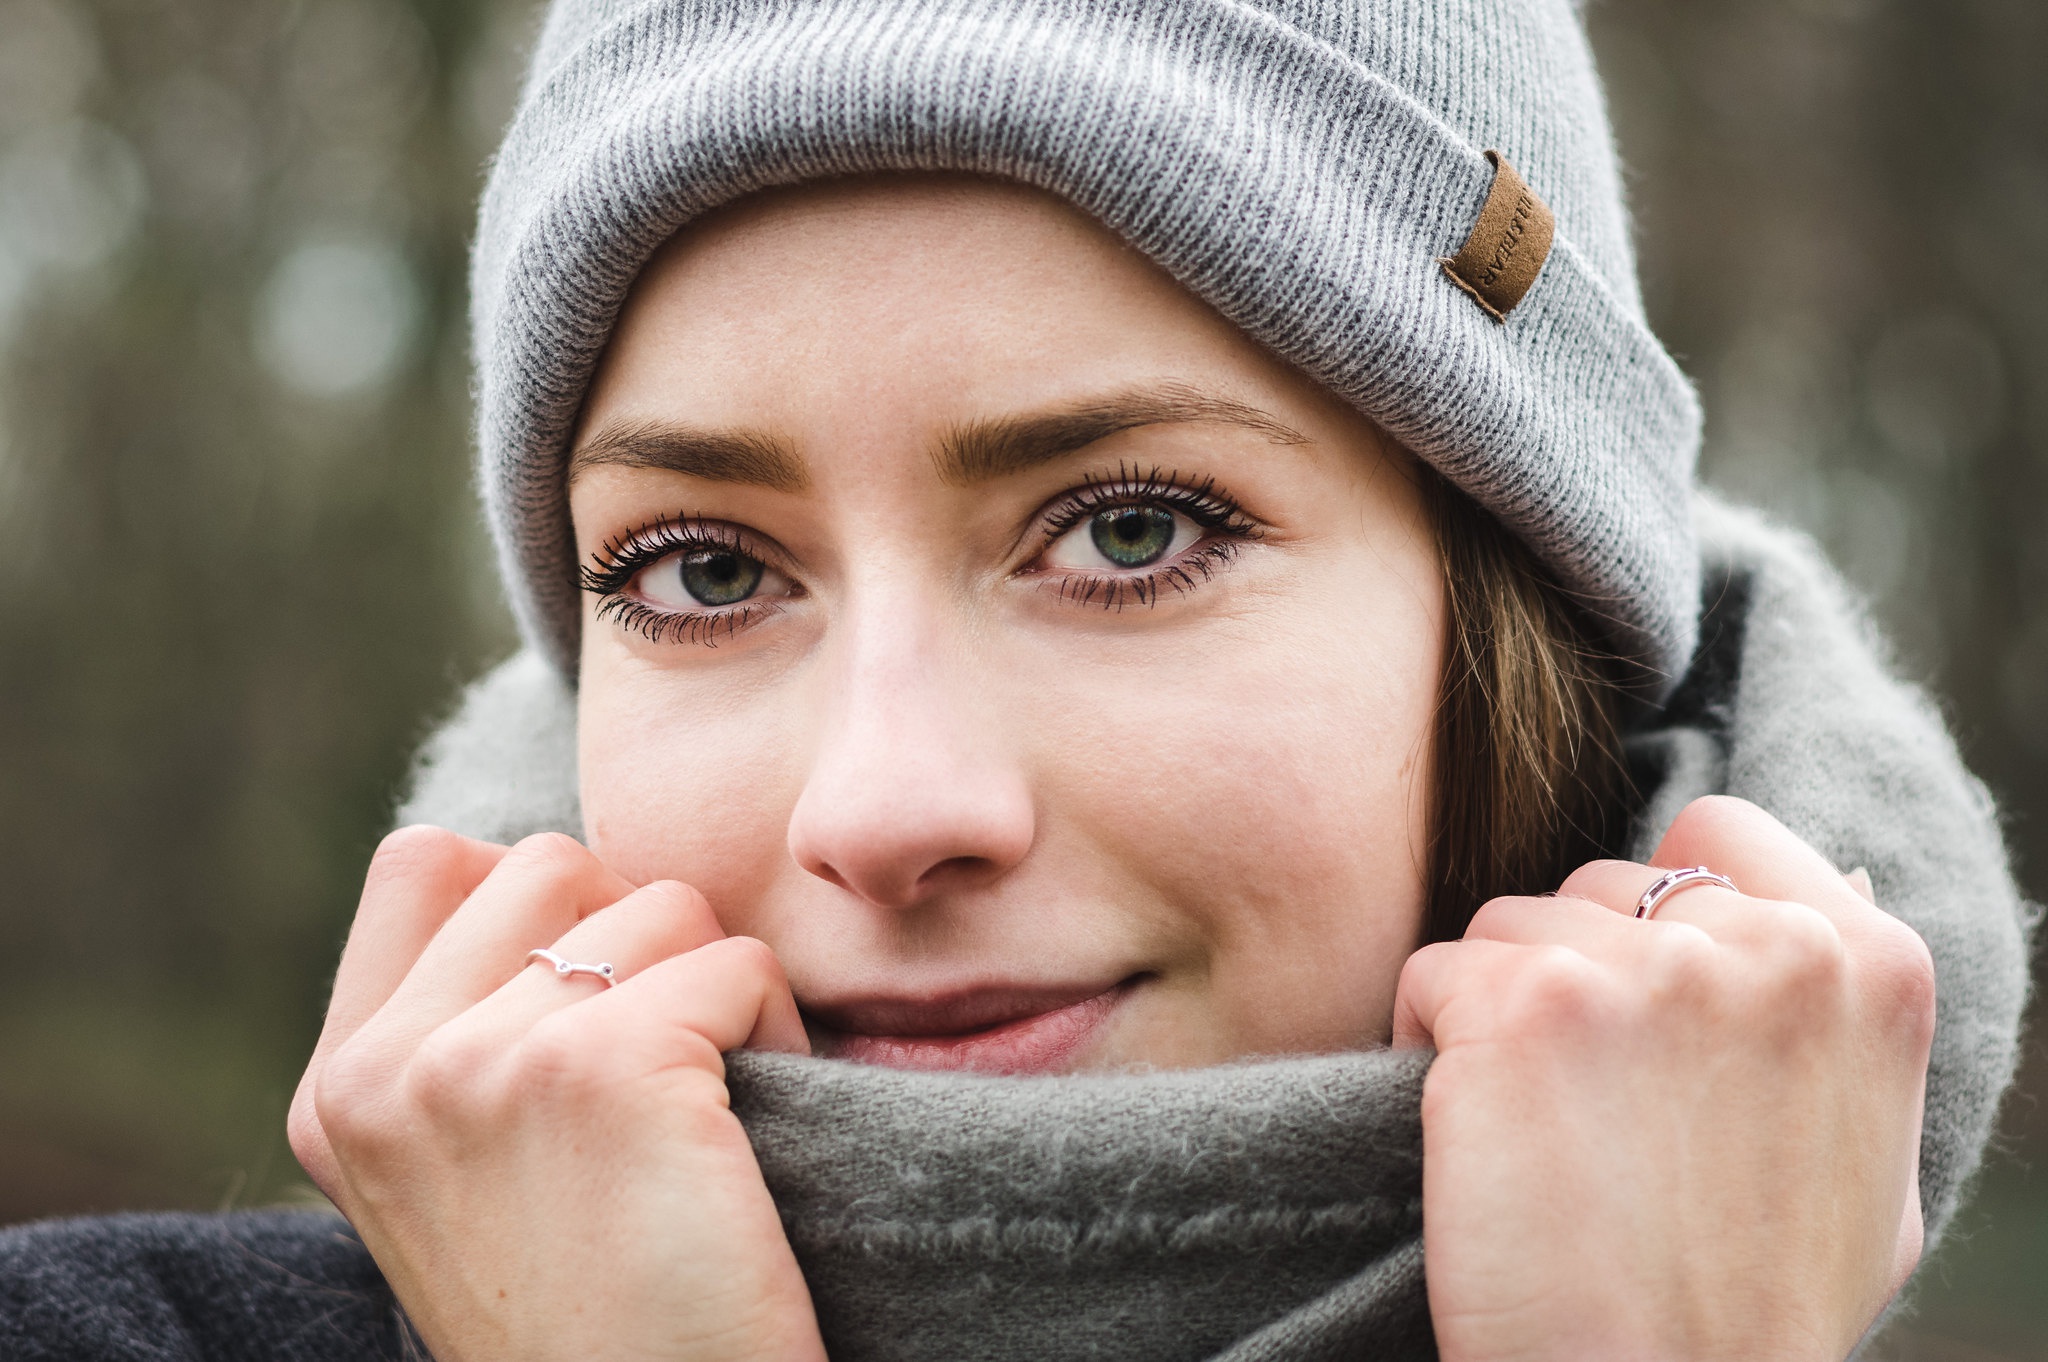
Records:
x=1694, y=1137
x=543, y=1167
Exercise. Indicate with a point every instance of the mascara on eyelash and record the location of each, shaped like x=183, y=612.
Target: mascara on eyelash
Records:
x=1201, y=502
x=1114, y=592
x=618, y=560
x=704, y=627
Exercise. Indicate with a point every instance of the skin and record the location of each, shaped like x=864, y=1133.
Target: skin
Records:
x=941, y=768
x=949, y=790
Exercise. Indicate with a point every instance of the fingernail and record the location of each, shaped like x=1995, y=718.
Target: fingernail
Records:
x=1859, y=880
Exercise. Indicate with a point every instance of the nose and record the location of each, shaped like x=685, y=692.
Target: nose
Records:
x=912, y=790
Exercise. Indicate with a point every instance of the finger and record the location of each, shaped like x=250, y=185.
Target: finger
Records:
x=1440, y=980
x=1780, y=928
x=1550, y=920
x=647, y=926
x=544, y=886
x=1619, y=886
x=1764, y=858
x=685, y=1010
x=417, y=879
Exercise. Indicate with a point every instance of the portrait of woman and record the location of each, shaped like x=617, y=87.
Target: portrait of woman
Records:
x=1132, y=739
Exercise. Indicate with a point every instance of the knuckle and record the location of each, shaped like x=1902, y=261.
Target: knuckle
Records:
x=1713, y=821
x=1789, y=974
x=678, y=897
x=1805, y=951
x=558, y=1059
x=549, y=853
x=753, y=958
x=410, y=851
x=1683, y=969
x=1898, y=965
x=348, y=1080
x=1719, y=810
x=303, y=1131
x=1554, y=989
x=344, y=1122
x=1488, y=921
x=1421, y=964
x=1694, y=820
x=310, y=1144
x=443, y=1078
x=553, y=1047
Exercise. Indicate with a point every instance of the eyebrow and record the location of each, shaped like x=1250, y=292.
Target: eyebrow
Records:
x=985, y=450
x=968, y=455
x=737, y=456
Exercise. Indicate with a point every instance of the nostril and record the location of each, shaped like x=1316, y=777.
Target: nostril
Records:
x=955, y=869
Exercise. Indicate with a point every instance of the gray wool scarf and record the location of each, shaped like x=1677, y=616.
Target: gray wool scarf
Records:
x=1272, y=1209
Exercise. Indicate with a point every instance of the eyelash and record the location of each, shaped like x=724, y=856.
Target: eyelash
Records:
x=1228, y=526
x=618, y=561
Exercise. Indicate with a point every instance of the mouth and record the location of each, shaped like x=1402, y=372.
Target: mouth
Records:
x=985, y=1030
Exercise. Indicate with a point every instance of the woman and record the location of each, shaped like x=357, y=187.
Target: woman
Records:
x=1105, y=542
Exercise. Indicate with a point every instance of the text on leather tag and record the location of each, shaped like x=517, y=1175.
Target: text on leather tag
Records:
x=1502, y=257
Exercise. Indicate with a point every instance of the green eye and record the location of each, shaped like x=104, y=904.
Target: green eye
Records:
x=720, y=576
x=1132, y=536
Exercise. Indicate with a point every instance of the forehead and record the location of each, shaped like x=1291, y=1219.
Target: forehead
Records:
x=876, y=299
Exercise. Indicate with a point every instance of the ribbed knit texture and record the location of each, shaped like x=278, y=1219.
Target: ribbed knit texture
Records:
x=1299, y=165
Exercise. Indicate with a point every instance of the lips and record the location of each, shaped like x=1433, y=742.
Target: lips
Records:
x=990, y=1030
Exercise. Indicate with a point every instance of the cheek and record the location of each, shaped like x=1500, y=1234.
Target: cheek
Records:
x=1303, y=774
x=681, y=780
x=1272, y=789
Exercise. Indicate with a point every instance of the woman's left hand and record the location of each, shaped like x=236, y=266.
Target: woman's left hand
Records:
x=1692, y=1137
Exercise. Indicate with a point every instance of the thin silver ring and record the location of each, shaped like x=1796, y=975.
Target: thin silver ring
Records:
x=1671, y=881
x=564, y=967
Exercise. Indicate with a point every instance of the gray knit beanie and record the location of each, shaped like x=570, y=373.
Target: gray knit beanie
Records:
x=1322, y=172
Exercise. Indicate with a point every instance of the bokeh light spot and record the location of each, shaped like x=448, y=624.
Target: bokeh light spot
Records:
x=337, y=317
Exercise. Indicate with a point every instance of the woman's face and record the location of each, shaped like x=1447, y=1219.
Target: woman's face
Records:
x=1041, y=668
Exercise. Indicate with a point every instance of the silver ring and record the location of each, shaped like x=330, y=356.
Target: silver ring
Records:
x=1671, y=881
x=564, y=968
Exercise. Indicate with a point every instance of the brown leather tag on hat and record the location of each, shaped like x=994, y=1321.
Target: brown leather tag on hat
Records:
x=1507, y=248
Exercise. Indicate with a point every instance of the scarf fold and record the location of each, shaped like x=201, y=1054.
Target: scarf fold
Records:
x=1272, y=1209
x=1148, y=1216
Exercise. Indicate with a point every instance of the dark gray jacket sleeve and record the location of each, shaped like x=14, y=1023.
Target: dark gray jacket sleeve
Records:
x=265, y=1286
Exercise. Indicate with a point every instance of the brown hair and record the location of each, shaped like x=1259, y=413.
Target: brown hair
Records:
x=1529, y=777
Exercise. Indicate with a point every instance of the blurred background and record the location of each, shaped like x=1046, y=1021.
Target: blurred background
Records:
x=241, y=573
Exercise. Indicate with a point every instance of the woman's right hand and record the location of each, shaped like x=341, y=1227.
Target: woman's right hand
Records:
x=546, y=1168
